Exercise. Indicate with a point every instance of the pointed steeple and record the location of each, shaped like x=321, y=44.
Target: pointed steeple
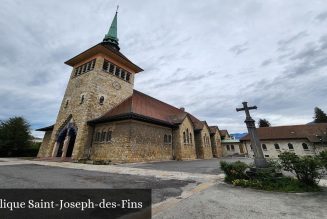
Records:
x=111, y=37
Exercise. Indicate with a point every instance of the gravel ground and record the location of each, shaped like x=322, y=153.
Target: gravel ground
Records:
x=226, y=201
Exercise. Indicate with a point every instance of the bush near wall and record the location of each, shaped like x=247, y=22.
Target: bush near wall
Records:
x=308, y=170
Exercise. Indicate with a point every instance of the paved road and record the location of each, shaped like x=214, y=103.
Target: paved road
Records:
x=37, y=176
x=195, y=166
x=226, y=201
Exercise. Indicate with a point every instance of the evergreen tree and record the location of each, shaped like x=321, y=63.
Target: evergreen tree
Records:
x=320, y=116
x=14, y=134
x=264, y=123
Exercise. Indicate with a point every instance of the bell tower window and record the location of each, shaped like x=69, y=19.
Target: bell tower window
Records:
x=116, y=71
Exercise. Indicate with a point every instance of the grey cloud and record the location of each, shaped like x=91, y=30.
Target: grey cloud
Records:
x=322, y=16
x=286, y=42
x=266, y=62
x=239, y=48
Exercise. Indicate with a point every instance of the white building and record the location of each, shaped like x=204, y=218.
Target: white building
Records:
x=301, y=139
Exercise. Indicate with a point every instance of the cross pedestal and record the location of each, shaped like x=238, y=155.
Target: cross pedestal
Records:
x=259, y=159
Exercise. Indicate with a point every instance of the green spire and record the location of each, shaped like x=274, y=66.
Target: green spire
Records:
x=111, y=36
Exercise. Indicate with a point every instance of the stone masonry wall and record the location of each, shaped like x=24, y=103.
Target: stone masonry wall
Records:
x=132, y=141
x=92, y=85
x=207, y=149
x=216, y=144
x=184, y=151
x=45, y=143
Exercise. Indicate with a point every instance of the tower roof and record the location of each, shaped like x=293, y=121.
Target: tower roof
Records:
x=111, y=37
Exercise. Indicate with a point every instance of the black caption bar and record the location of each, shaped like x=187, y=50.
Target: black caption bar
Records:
x=75, y=203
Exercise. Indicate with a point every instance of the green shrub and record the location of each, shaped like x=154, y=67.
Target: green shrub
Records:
x=280, y=184
x=323, y=158
x=308, y=169
x=234, y=170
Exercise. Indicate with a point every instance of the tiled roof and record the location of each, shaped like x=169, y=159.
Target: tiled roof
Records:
x=144, y=107
x=213, y=129
x=223, y=132
x=48, y=128
x=312, y=132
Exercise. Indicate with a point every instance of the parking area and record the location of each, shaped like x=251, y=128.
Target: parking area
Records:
x=39, y=176
x=211, y=166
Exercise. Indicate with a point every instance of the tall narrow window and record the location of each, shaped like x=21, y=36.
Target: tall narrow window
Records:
x=112, y=68
x=232, y=147
x=109, y=133
x=290, y=146
x=128, y=75
x=165, y=139
x=277, y=146
x=187, y=137
x=105, y=65
x=82, y=99
x=66, y=104
x=191, y=140
x=227, y=147
x=97, y=136
x=117, y=71
x=122, y=74
x=169, y=138
x=184, y=137
x=103, y=136
x=101, y=100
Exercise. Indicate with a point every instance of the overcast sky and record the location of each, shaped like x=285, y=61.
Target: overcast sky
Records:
x=206, y=56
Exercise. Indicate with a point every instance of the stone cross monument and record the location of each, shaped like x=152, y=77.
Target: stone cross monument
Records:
x=259, y=160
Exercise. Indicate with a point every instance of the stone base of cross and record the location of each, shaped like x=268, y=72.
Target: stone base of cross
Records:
x=259, y=159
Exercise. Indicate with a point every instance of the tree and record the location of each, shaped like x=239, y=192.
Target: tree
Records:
x=264, y=123
x=14, y=134
x=320, y=116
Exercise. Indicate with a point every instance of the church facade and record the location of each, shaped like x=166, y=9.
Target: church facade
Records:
x=102, y=117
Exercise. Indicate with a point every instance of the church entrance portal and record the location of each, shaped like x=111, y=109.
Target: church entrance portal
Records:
x=64, y=145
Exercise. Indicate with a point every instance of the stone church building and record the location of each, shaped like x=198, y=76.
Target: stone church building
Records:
x=102, y=117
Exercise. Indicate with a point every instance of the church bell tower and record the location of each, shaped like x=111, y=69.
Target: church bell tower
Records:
x=101, y=78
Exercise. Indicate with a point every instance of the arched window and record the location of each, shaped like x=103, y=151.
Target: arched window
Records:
x=97, y=136
x=277, y=146
x=187, y=136
x=232, y=147
x=191, y=140
x=290, y=146
x=169, y=138
x=82, y=99
x=227, y=147
x=109, y=135
x=264, y=147
x=305, y=146
x=103, y=136
x=184, y=137
x=165, y=139
x=101, y=100
x=67, y=102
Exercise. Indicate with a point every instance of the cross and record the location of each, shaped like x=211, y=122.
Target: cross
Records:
x=259, y=159
x=247, y=109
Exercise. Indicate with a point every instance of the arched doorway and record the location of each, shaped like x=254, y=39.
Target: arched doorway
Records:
x=65, y=141
x=72, y=136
